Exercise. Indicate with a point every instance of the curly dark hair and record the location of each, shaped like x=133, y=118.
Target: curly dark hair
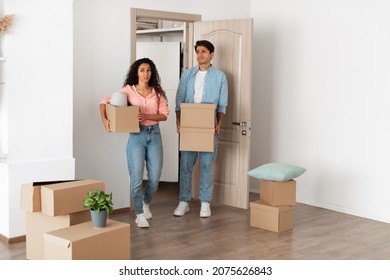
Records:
x=155, y=81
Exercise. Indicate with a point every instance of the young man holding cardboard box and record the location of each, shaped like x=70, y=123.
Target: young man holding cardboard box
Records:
x=201, y=84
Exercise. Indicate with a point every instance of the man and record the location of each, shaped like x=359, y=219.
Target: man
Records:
x=201, y=84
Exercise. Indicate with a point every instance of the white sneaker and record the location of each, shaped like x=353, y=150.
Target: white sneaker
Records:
x=181, y=209
x=205, y=211
x=141, y=221
x=147, y=213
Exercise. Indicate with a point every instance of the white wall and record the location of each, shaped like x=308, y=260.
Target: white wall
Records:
x=101, y=60
x=321, y=93
x=39, y=94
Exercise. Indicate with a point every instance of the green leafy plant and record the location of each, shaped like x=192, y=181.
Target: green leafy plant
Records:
x=98, y=201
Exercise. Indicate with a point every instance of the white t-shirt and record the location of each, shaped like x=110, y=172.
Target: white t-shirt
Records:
x=199, y=86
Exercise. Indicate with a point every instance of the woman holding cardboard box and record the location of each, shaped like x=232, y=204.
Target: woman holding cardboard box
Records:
x=142, y=87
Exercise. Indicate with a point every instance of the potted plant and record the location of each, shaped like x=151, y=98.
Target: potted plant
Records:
x=100, y=205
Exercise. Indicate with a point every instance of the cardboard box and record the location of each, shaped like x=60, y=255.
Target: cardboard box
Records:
x=273, y=218
x=30, y=195
x=123, y=118
x=37, y=224
x=83, y=242
x=68, y=197
x=278, y=193
x=197, y=115
x=197, y=139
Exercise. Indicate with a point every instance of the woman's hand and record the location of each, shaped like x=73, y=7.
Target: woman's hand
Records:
x=103, y=114
x=107, y=125
x=142, y=117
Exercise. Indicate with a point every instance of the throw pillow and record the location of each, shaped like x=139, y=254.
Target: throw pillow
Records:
x=274, y=171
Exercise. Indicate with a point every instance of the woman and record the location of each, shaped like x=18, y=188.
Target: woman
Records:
x=142, y=87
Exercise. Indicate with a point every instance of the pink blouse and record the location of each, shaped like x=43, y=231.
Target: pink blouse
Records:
x=148, y=105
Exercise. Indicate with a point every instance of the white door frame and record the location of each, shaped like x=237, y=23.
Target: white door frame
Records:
x=136, y=13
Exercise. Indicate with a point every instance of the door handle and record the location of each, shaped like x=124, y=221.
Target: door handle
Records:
x=239, y=123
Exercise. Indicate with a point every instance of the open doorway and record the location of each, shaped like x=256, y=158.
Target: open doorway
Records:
x=163, y=37
x=162, y=19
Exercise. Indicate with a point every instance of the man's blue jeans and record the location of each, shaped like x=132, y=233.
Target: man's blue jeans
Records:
x=142, y=147
x=187, y=162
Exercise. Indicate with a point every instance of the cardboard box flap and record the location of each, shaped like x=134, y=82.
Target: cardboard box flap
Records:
x=66, y=198
x=198, y=106
x=47, y=237
x=266, y=207
x=30, y=195
x=197, y=115
x=44, y=183
x=197, y=130
x=71, y=184
x=30, y=198
x=81, y=231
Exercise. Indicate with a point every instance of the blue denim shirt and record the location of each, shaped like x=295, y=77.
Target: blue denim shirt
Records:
x=215, y=88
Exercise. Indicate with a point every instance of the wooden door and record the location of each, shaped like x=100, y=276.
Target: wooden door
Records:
x=233, y=55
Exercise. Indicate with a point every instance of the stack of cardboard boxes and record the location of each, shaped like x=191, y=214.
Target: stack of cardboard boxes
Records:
x=58, y=226
x=197, y=127
x=275, y=209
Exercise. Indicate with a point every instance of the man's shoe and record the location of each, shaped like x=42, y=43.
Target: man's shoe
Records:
x=147, y=213
x=181, y=209
x=141, y=221
x=205, y=211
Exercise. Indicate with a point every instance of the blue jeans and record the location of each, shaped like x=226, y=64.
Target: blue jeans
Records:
x=142, y=147
x=187, y=162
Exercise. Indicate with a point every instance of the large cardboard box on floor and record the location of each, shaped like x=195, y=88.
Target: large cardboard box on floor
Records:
x=273, y=218
x=65, y=198
x=83, y=242
x=197, y=139
x=278, y=193
x=37, y=224
x=123, y=118
x=197, y=115
x=30, y=195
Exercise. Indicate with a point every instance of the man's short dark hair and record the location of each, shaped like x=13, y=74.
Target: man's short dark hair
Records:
x=206, y=44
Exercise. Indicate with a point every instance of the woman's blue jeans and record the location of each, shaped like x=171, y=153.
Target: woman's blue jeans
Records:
x=187, y=162
x=144, y=147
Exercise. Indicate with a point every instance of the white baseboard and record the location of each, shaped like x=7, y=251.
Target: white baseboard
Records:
x=345, y=210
